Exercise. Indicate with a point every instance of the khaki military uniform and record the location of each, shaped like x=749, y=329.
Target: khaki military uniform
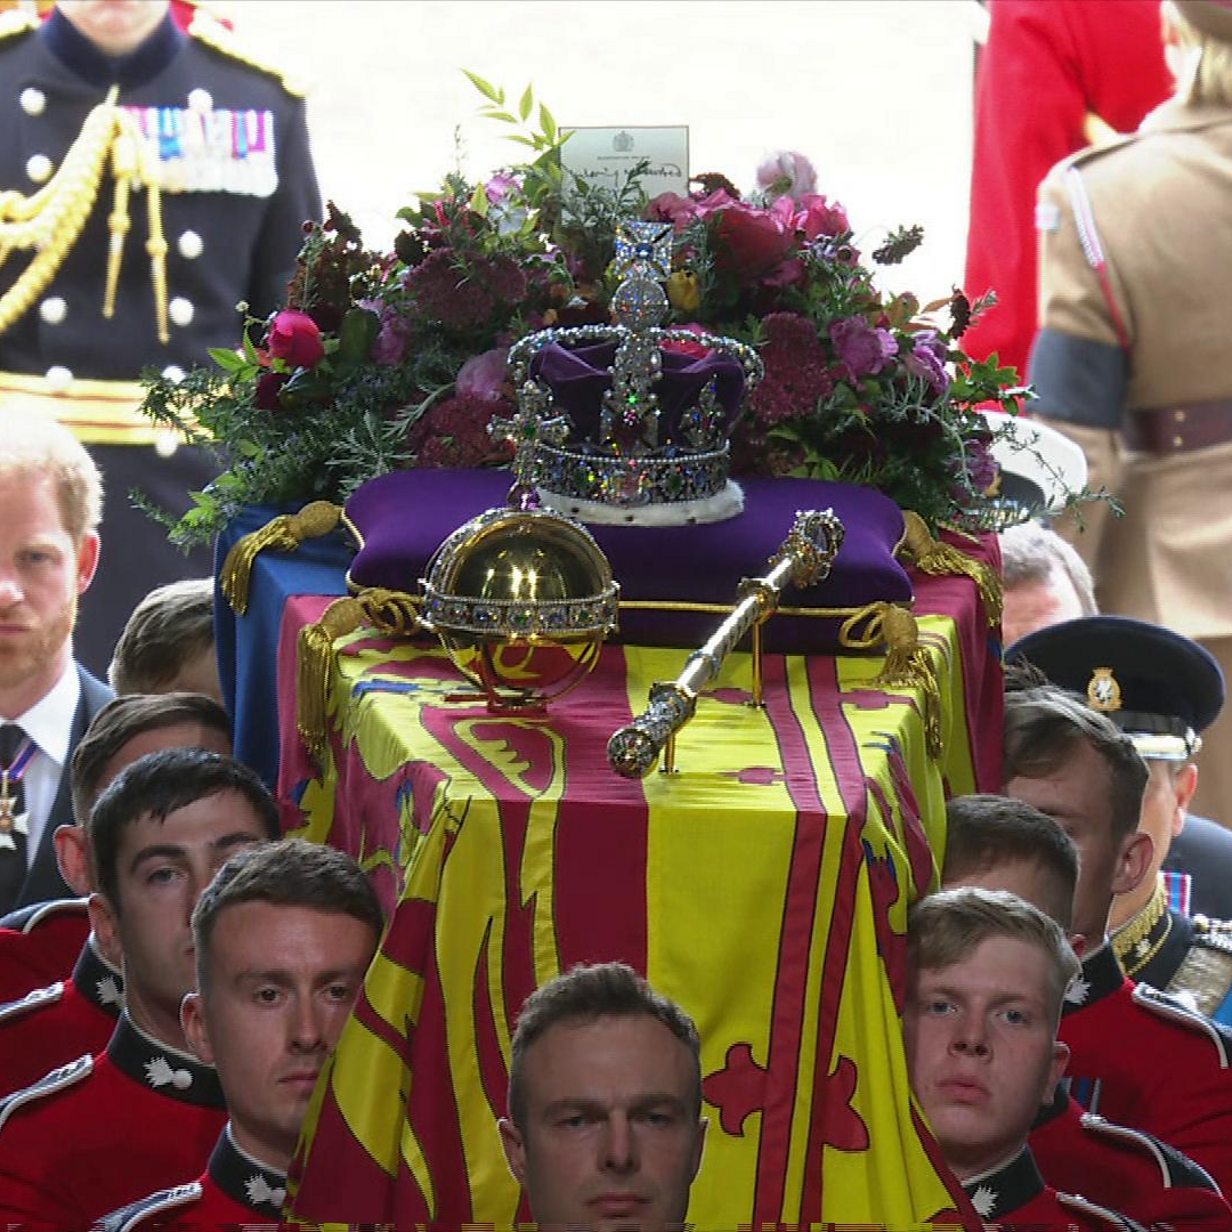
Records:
x=1134, y=362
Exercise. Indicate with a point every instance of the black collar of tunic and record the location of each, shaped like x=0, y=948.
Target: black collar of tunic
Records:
x=997, y=1194
x=1100, y=977
x=82, y=57
x=98, y=981
x=159, y=1068
x=245, y=1179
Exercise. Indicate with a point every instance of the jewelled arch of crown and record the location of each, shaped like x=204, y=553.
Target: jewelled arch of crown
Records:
x=630, y=472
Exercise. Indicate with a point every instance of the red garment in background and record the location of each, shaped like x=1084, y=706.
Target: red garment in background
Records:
x=1047, y=63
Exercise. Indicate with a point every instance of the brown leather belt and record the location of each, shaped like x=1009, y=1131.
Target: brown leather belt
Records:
x=1179, y=429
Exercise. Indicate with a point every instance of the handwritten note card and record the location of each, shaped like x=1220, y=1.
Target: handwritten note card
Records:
x=605, y=156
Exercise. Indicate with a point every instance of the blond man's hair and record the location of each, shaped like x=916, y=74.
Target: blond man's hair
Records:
x=33, y=445
x=946, y=927
x=1207, y=73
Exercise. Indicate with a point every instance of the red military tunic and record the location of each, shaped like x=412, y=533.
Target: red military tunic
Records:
x=1045, y=66
x=1015, y=1196
x=235, y=1189
x=1113, y=1165
x=102, y=1131
x=1139, y=1058
x=41, y=945
x=51, y=1026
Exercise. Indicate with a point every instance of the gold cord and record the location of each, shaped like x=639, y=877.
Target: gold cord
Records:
x=49, y=221
x=931, y=556
x=1127, y=938
x=281, y=534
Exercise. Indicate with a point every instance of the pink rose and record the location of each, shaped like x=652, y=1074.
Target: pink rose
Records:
x=816, y=216
x=294, y=336
x=670, y=207
x=482, y=376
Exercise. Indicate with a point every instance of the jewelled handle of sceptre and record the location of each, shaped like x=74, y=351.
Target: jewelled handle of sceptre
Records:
x=804, y=558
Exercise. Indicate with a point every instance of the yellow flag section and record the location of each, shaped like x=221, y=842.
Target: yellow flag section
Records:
x=764, y=886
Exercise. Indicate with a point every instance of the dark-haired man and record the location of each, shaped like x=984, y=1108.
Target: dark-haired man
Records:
x=104, y=1130
x=1074, y=764
x=284, y=934
x=1162, y=689
x=604, y=1128
x=74, y=1010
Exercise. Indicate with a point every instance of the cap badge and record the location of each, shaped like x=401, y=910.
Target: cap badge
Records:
x=1103, y=692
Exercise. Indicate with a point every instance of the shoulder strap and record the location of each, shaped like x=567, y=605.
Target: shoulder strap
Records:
x=136, y=1213
x=1101, y=1214
x=1163, y=1006
x=1092, y=250
x=34, y=1000
x=1176, y=1170
x=27, y=919
x=210, y=31
x=58, y=1080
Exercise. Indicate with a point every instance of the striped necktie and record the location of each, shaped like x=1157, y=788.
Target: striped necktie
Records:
x=16, y=750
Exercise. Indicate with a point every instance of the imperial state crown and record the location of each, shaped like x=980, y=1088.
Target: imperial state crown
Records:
x=630, y=422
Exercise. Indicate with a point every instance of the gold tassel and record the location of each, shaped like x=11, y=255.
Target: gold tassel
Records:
x=936, y=558
x=282, y=534
x=864, y=628
x=908, y=666
x=314, y=659
x=389, y=612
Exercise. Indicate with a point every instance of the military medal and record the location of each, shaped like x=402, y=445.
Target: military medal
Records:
x=8, y=816
x=13, y=822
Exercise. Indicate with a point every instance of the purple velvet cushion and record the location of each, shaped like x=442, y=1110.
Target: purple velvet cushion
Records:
x=404, y=516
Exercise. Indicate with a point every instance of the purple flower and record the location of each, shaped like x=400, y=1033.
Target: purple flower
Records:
x=389, y=349
x=926, y=360
x=982, y=467
x=500, y=186
x=482, y=376
x=863, y=350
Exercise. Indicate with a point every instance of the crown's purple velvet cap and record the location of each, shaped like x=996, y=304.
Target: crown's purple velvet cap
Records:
x=405, y=515
x=579, y=377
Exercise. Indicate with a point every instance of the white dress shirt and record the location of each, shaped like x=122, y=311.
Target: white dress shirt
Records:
x=49, y=723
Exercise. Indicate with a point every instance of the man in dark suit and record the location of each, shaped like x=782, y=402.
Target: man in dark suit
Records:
x=225, y=173
x=50, y=497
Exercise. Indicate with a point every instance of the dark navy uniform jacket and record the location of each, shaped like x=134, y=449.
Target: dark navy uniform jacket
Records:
x=226, y=245
x=238, y=184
